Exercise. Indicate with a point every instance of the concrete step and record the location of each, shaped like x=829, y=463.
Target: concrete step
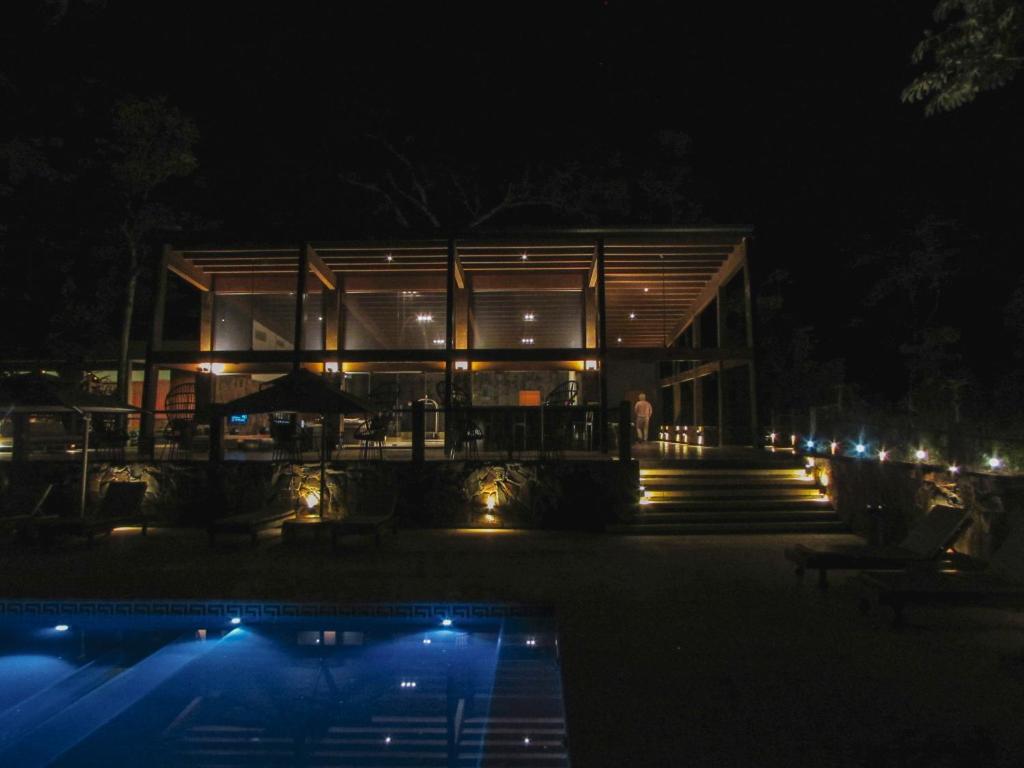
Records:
x=732, y=527
x=741, y=492
x=773, y=515
x=726, y=471
x=714, y=504
x=773, y=481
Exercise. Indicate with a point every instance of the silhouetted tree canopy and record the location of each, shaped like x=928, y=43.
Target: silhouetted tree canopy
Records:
x=978, y=46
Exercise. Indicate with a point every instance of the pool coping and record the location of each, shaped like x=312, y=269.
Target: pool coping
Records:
x=264, y=611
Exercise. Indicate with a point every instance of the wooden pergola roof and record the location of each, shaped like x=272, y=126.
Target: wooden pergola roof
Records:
x=655, y=279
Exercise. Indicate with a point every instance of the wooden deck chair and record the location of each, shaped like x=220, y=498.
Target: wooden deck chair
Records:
x=1001, y=585
x=927, y=541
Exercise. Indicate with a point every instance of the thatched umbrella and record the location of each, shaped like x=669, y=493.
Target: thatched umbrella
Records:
x=300, y=392
x=38, y=393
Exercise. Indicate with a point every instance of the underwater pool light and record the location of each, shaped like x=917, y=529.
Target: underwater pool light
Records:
x=236, y=620
x=446, y=622
x=62, y=628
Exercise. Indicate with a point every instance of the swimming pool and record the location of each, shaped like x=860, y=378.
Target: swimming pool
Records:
x=224, y=684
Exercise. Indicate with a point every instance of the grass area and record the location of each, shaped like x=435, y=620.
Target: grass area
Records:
x=700, y=651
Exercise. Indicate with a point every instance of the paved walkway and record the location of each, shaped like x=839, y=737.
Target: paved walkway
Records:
x=678, y=651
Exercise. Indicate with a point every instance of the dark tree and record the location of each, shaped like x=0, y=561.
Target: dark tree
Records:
x=978, y=46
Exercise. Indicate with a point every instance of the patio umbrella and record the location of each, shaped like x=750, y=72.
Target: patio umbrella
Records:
x=300, y=392
x=38, y=393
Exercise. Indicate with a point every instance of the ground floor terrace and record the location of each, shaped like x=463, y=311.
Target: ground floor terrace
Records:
x=695, y=651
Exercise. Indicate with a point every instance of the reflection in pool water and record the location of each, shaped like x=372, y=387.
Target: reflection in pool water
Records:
x=330, y=690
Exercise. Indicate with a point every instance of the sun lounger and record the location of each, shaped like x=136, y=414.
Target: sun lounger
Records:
x=1001, y=585
x=121, y=506
x=371, y=510
x=926, y=542
x=22, y=508
x=364, y=525
x=250, y=523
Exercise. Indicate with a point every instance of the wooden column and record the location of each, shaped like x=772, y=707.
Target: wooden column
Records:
x=334, y=318
x=147, y=422
x=449, y=339
x=418, y=432
x=602, y=348
x=751, y=372
x=721, y=369
x=698, y=387
x=300, y=293
x=206, y=324
x=19, y=437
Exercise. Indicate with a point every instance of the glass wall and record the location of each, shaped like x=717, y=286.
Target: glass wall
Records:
x=256, y=313
x=547, y=314
x=395, y=312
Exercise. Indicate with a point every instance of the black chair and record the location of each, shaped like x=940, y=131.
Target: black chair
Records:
x=108, y=438
x=558, y=422
x=286, y=440
x=564, y=394
x=373, y=432
x=466, y=434
x=180, y=429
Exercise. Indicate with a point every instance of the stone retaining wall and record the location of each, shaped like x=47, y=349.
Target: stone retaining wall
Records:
x=580, y=495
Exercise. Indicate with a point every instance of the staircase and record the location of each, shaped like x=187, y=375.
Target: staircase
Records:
x=752, y=496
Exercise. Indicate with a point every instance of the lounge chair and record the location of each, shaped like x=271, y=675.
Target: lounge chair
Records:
x=927, y=542
x=250, y=523
x=1001, y=585
x=371, y=510
x=276, y=508
x=121, y=506
x=15, y=518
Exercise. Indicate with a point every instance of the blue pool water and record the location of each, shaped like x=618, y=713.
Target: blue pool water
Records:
x=219, y=684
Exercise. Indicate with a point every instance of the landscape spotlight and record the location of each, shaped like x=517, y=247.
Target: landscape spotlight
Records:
x=920, y=454
x=995, y=463
x=860, y=448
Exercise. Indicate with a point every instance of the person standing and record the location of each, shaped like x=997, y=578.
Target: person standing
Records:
x=642, y=411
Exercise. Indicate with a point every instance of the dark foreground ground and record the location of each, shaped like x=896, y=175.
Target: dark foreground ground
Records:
x=678, y=651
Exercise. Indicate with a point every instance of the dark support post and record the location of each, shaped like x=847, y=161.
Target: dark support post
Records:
x=300, y=292
x=751, y=379
x=602, y=349
x=19, y=439
x=698, y=382
x=625, y=431
x=449, y=342
x=721, y=370
x=216, y=436
x=418, y=432
x=147, y=422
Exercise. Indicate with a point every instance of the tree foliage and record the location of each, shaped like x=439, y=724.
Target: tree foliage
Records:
x=977, y=47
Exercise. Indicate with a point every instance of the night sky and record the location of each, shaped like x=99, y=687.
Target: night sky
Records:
x=794, y=114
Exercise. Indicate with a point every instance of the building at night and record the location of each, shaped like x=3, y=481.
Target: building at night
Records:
x=505, y=318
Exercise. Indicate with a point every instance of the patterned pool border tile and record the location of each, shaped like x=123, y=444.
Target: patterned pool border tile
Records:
x=254, y=611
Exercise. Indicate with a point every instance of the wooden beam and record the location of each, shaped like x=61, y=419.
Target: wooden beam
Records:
x=460, y=273
x=320, y=269
x=566, y=281
x=370, y=326
x=734, y=263
x=370, y=283
x=188, y=271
